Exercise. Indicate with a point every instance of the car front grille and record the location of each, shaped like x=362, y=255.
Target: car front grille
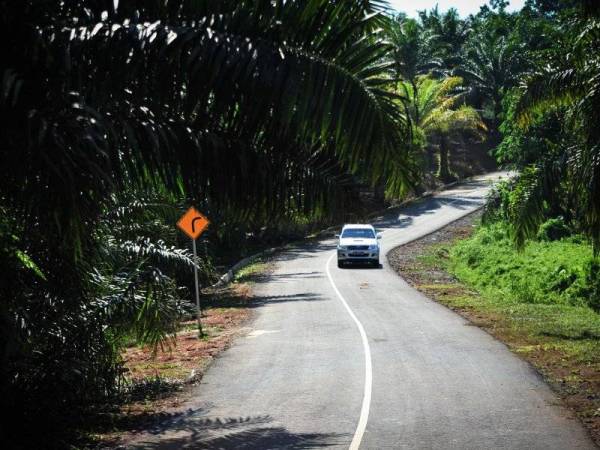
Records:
x=358, y=247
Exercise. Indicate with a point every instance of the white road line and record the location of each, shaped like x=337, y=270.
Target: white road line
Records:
x=366, y=403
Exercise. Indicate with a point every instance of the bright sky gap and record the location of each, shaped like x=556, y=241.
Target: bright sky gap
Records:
x=464, y=7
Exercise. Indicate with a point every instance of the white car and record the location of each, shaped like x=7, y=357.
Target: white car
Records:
x=358, y=243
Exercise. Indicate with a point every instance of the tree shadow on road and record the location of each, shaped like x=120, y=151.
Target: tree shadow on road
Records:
x=403, y=217
x=289, y=276
x=257, y=432
x=261, y=300
x=307, y=250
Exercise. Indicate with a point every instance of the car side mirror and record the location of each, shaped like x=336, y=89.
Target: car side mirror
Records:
x=378, y=236
x=337, y=236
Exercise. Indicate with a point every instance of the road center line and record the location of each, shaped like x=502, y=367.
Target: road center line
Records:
x=366, y=403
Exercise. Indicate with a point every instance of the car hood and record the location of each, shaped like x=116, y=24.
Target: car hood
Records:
x=357, y=241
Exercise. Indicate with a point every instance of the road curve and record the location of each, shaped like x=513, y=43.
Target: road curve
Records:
x=349, y=358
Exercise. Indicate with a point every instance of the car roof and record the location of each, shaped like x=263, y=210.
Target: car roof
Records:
x=358, y=225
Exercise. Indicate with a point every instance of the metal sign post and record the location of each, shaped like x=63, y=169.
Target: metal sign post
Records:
x=198, y=307
x=193, y=223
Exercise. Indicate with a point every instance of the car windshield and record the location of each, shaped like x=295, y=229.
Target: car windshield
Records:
x=366, y=233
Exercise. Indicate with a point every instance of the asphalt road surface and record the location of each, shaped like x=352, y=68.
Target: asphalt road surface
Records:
x=356, y=358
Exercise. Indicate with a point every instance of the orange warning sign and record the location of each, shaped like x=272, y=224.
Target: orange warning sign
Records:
x=193, y=223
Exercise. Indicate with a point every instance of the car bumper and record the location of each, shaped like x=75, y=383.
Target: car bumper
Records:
x=357, y=255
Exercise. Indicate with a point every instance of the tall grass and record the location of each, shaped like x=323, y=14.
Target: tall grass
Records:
x=548, y=272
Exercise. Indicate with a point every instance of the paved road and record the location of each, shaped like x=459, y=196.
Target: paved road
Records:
x=355, y=357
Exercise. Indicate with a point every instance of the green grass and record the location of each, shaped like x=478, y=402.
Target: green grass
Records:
x=542, y=302
x=543, y=290
x=249, y=272
x=549, y=273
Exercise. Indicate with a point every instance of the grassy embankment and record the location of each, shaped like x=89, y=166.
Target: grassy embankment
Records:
x=538, y=301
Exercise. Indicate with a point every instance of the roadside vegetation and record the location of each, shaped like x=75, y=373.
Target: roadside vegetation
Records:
x=538, y=300
x=159, y=381
x=556, y=275
x=275, y=119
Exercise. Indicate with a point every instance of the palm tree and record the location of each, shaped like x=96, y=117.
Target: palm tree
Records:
x=438, y=111
x=570, y=79
x=199, y=104
x=411, y=48
x=252, y=109
x=447, y=33
x=490, y=68
x=411, y=52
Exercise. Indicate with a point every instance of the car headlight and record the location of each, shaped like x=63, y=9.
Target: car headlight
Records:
x=373, y=247
x=342, y=247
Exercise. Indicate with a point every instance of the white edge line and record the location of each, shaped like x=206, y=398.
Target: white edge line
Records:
x=366, y=403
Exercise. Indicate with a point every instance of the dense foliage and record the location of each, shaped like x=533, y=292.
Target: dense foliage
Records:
x=438, y=113
x=551, y=128
x=554, y=270
x=267, y=115
x=115, y=116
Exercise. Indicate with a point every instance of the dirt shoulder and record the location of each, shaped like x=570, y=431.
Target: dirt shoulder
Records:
x=423, y=264
x=159, y=383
